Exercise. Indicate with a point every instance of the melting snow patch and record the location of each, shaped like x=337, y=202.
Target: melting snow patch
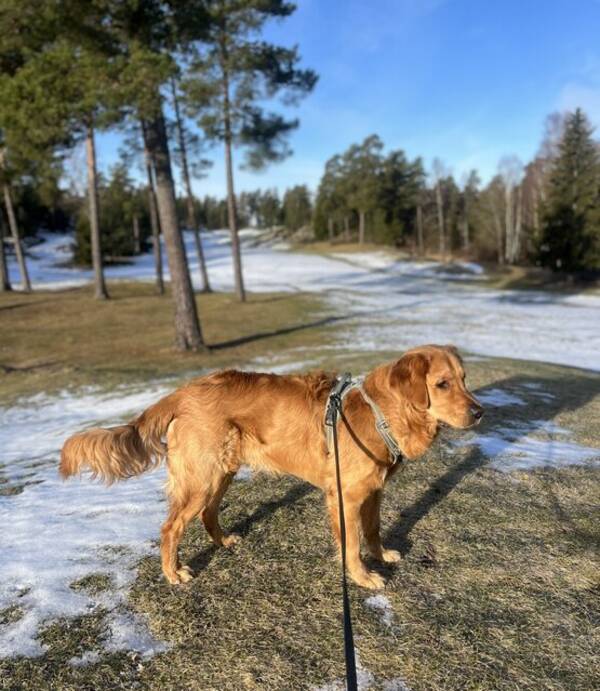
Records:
x=88, y=658
x=499, y=398
x=382, y=604
x=63, y=532
x=364, y=679
x=514, y=448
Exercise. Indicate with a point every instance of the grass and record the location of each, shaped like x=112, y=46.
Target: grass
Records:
x=53, y=340
x=498, y=588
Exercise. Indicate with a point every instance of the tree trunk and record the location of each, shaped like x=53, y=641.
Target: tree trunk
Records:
x=346, y=229
x=4, y=276
x=420, y=238
x=330, y=229
x=516, y=244
x=361, y=227
x=14, y=231
x=508, y=221
x=188, y=335
x=191, y=213
x=154, y=223
x=231, y=209
x=100, y=292
x=499, y=239
x=440, y=214
x=466, y=240
x=137, y=245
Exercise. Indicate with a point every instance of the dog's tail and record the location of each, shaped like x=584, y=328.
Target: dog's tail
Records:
x=117, y=453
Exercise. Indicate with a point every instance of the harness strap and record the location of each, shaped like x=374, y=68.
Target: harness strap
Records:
x=344, y=385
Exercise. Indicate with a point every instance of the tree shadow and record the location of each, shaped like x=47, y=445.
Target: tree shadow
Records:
x=545, y=397
x=243, y=340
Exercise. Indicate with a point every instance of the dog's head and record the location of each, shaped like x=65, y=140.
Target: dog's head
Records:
x=432, y=380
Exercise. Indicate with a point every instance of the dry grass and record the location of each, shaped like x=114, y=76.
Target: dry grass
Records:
x=498, y=588
x=49, y=340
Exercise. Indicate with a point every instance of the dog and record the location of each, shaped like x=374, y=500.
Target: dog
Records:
x=276, y=423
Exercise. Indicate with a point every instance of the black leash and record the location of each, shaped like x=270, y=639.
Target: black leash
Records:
x=336, y=400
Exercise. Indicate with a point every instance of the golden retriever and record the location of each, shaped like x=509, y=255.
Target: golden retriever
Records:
x=275, y=423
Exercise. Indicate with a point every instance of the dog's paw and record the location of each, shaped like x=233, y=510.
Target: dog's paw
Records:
x=231, y=540
x=185, y=574
x=390, y=556
x=370, y=579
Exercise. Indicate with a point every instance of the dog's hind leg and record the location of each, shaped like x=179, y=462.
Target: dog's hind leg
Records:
x=210, y=515
x=180, y=514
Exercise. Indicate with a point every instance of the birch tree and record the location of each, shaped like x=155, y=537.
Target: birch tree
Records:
x=439, y=172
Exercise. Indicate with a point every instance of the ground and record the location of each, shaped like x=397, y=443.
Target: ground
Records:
x=498, y=587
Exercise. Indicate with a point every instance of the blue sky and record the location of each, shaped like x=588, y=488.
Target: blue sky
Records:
x=468, y=81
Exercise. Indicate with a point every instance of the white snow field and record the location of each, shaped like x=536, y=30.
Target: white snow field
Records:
x=388, y=304
x=62, y=532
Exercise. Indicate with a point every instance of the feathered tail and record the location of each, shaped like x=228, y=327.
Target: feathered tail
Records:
x=117, y=453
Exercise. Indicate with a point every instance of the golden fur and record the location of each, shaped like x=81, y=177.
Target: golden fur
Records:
x=275, y=423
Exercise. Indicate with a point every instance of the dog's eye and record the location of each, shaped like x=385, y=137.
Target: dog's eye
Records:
x=443, y=384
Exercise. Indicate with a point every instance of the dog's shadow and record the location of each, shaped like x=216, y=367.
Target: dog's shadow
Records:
x=551, y=397
x=243, y=525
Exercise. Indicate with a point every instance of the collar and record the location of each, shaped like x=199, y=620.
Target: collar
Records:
x=342, y=387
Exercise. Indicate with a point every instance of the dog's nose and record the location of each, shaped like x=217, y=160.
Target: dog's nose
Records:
x=477, y=412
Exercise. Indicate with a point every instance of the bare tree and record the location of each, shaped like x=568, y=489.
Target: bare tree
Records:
x=420, y=237
x=16, y=239
x=4, y=275
x=439, y=172
x=510, y=170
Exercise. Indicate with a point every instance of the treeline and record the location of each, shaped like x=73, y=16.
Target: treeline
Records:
x=546, y=212
x=262, y=209
x=70, y=69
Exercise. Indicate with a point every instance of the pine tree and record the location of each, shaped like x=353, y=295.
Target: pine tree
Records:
x=363, y=167
x=297, y=207
x=570, y=239
x=182, y=139
x=234, y=71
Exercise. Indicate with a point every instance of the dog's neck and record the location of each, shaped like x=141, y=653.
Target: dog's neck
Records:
x=414, y=429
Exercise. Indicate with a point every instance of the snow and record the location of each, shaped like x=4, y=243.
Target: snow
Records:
x=527, y=444
x=518, y=448
x=382, y=604
x=63, y=532
x=365, y=680
x=498, y=398
x=387, y=304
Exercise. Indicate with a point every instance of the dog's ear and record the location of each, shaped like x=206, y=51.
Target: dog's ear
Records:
x=408, y=377
x=454, y=350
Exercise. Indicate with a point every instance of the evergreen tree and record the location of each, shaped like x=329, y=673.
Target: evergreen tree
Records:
x=570, y=239
x=232, y=74
x=297, y=207
x=362, y=163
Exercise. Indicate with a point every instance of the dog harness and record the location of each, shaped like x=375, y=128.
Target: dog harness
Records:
x=335, y=401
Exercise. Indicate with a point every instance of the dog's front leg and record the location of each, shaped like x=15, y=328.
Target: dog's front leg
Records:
x=355, y=565
x=371, y=527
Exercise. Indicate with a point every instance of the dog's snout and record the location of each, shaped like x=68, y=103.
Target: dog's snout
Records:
x=477, y=412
